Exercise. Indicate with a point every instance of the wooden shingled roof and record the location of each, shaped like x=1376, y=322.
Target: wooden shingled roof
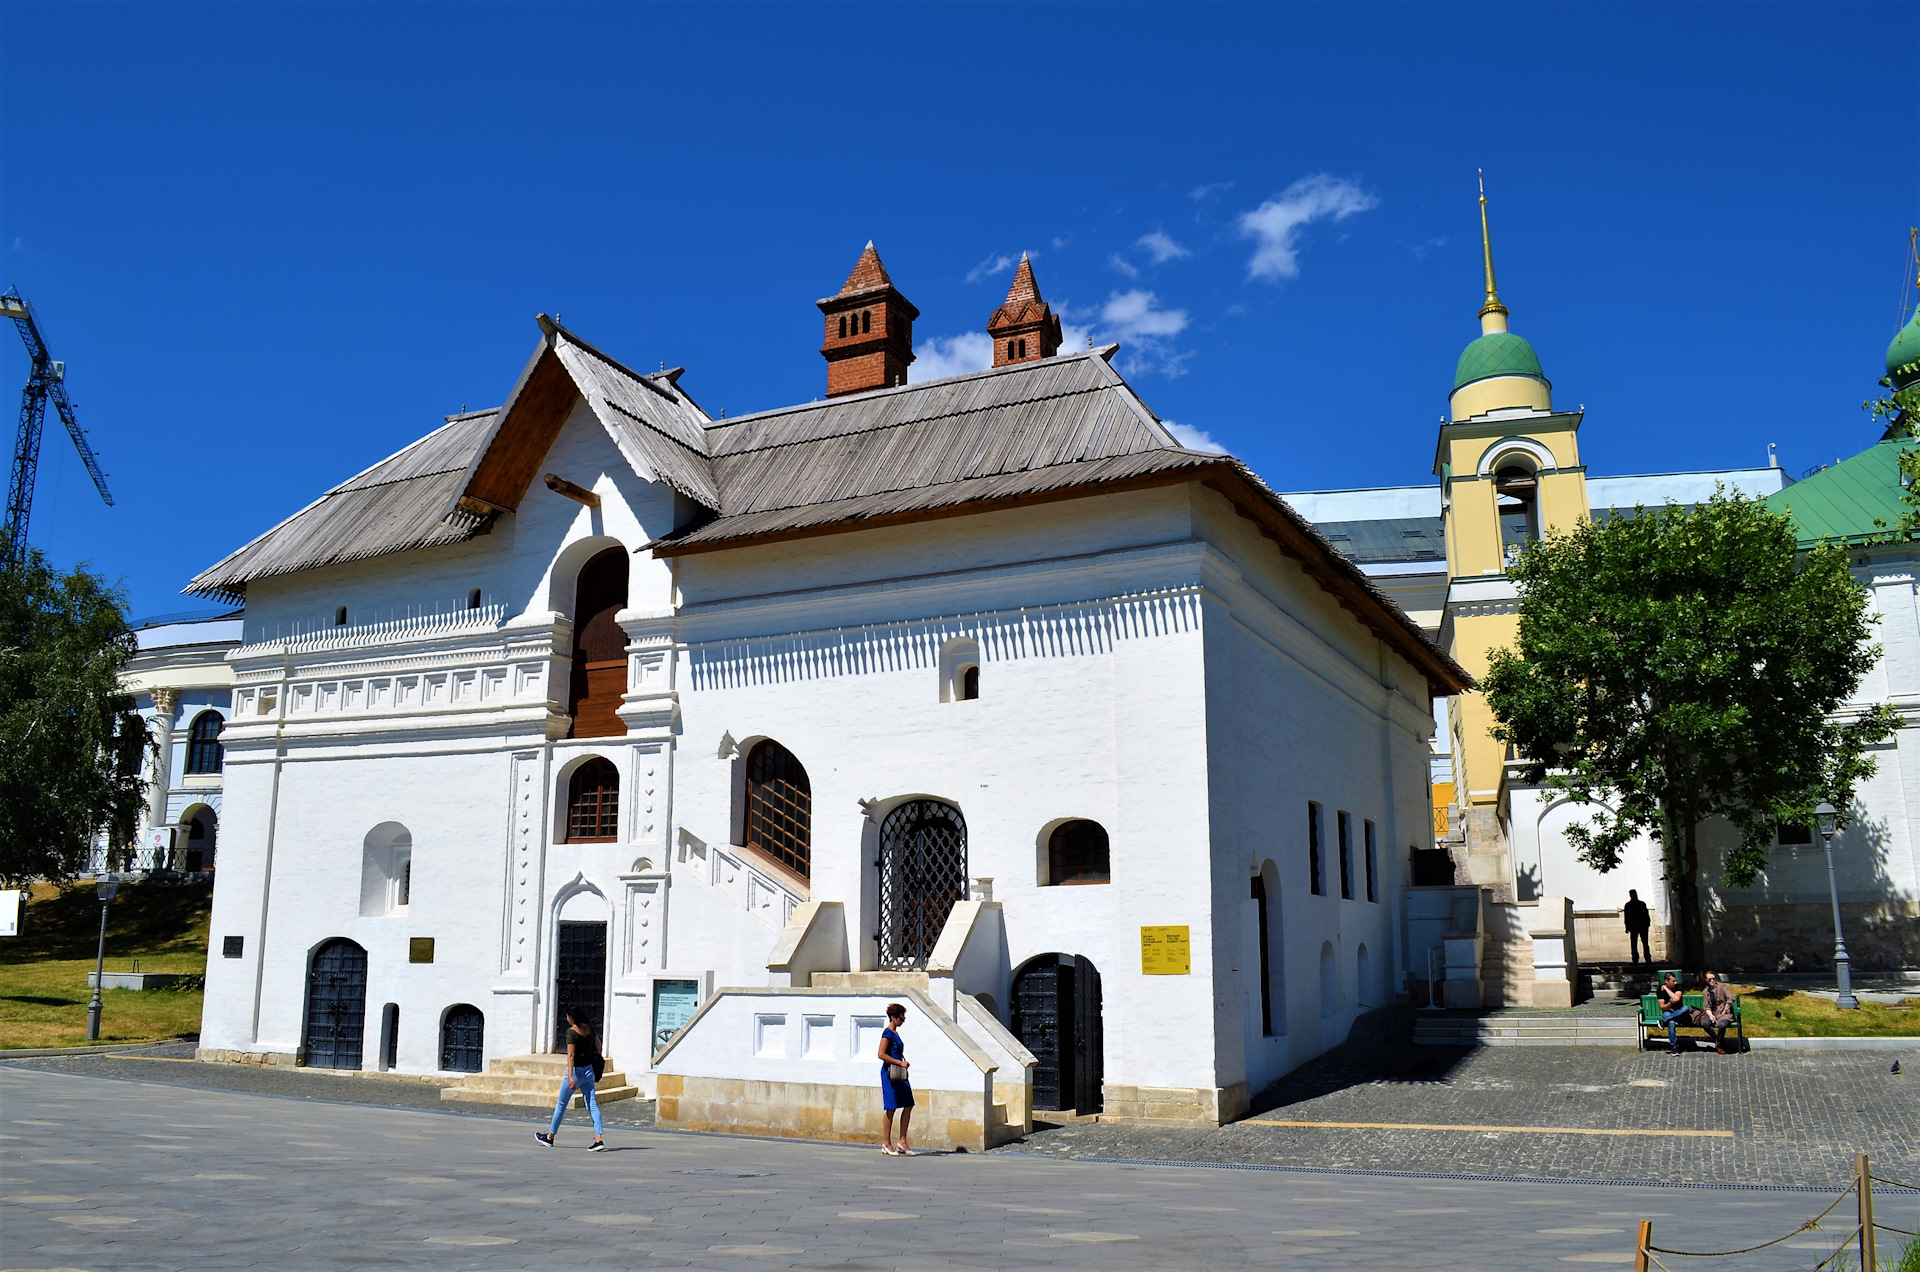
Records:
x=1029, y=432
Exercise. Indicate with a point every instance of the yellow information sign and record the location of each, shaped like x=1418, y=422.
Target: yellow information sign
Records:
x=1165, y=951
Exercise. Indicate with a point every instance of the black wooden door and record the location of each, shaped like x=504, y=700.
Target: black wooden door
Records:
x=1056, y=1015
x=923, y=871
x=462, y=1039
x=336, y=1006
x=580, y=976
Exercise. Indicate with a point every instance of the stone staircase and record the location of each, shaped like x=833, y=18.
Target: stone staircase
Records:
x=1616, y=982
x=1506, y=972
x=1527, y=1029
x=534, y=1081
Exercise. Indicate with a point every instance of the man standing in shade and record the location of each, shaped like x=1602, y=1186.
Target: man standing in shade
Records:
x=1639, y=923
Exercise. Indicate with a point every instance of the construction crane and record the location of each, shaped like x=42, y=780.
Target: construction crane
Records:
x=47, y=379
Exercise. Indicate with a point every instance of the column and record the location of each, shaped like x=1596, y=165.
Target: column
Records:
x=165, y=703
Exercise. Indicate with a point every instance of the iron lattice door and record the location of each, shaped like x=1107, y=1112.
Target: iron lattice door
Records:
x=463, y=1039
x=580, y=976
x=1056, y=1015
x=336, y=1006
x=923, y=871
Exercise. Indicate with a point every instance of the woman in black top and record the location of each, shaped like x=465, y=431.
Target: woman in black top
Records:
x=583, y=1069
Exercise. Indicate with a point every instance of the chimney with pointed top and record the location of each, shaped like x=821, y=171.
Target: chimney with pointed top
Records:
x=1025, y=328
x=869, y=340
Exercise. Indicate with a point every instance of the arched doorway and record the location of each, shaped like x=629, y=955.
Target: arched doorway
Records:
x=199, y=828
x=580, y=964
x=1056, y=1016
x=923, y=871
x=336, y=1005
x=462, y=1039
x=599, y=647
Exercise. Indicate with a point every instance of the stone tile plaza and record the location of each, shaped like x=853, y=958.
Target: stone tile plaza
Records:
x=960, y=636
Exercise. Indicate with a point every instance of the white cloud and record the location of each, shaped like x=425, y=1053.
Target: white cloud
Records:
x=1121, y=264
x=1194, y=438
x=1137, y=315
x=1276, y=224
x=998, y=263
x=938, y=357
x=1074, y=339
x=1207, y=191
x=1162, y=248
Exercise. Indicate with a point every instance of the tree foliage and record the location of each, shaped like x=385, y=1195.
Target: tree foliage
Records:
x=71, y=742
x=1682, y=664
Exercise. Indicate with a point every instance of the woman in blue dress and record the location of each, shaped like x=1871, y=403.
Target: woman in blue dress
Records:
x=896, y=1092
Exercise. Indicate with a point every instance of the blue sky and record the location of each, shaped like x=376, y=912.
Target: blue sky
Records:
x=276, y=242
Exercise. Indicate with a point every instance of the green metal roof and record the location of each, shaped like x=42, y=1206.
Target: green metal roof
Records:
x=1903, y=355
x=1845, y=501
x=1499, y=353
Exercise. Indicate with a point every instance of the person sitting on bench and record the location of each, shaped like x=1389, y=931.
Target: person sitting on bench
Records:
x=1673, y=1008
x=1716, y=1012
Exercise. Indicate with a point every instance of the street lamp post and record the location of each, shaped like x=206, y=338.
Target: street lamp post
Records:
x=1826, y=819
x=106, y=885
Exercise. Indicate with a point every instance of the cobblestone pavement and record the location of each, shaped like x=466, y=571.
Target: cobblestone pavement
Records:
x=126, y=1175
x=1797, y=1117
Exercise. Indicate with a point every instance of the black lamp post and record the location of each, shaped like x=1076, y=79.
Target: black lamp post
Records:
x=106, y=885
x=1826, y=819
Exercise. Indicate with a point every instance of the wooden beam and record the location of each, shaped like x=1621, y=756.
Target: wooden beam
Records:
x=569, y=490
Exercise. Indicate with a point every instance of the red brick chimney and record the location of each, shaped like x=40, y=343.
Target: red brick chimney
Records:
x=869, y=331
x=1024, y=329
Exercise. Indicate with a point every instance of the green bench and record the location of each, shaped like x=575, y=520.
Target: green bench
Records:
x=1650, y=1026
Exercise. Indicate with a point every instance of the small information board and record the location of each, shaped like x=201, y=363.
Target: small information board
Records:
x=1165, y=951
x=13, y=906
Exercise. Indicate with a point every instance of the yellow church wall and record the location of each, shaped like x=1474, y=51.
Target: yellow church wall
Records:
x=1480, y=759
x=1497, y=392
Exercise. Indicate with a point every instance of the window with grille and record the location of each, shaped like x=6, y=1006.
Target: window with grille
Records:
x=1314, y=882
x=204, y=753
x=779, y=819
x=1346, y=855
x=1373, y=878
x=1078, y=853
x=593, y=803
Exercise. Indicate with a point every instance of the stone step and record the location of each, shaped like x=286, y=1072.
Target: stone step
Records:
x=1526, y=1031
x=534, y=1099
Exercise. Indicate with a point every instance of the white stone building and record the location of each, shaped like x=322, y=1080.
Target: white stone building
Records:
x=592, y=698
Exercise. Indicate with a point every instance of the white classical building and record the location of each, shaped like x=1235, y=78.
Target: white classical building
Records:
x=981, y=692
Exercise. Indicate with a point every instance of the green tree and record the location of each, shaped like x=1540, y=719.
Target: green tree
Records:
x=1683, y=664
x=71, y=742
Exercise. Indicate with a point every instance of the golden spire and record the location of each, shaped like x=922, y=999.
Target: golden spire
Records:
x=1493, y=305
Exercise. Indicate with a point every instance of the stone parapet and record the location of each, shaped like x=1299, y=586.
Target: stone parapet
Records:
x=1174, y=1106
x=942, y=1120
x=258, y=1059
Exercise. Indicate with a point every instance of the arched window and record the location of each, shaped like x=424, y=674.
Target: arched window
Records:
x=593, y=803
x=779, y=807
x=340, y=616
x=1515, y=488
x=1023, y=348
x=1078, y=853
x=969, y=683
x=204, y=754
x=386, y=870
x=866, y=321
x=1010, y=348
x=599, y=647
x=843, y=326
x=473, y=599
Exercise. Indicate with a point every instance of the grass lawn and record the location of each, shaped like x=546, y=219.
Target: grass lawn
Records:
x=1779, y=1013
x=43, y=972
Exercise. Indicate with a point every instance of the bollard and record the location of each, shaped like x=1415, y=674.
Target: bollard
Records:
x=1640, y=1249
x=1863, y=1185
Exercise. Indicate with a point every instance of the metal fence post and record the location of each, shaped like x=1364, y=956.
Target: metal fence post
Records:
x=1863, y=1185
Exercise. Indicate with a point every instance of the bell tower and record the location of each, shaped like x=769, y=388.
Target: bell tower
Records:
x=1510, y=472
x=869, y=341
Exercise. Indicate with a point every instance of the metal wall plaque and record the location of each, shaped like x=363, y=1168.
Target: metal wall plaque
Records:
x=1165, y=951
x=419, y=949
x=232, y=946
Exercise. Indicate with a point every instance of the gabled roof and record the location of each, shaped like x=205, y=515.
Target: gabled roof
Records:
x=392, y=507
x=1850, y=502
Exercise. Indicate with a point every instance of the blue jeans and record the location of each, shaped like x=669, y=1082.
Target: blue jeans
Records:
x=583, y=1080
x=1667, y=1018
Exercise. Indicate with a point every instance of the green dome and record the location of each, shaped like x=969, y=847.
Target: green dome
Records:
x=1904, y=352
x=1501, y=353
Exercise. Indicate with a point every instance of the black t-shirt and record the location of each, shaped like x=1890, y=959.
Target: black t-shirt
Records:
x=586, y=1049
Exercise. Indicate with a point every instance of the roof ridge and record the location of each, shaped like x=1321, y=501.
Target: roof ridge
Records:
x=1101, y=351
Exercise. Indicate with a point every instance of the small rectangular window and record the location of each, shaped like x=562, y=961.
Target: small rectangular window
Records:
x=1373, y=881
x=419, y=949
x=1346, y=855
x=1796, y=836
x=232, y=946
x=1315, y=884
